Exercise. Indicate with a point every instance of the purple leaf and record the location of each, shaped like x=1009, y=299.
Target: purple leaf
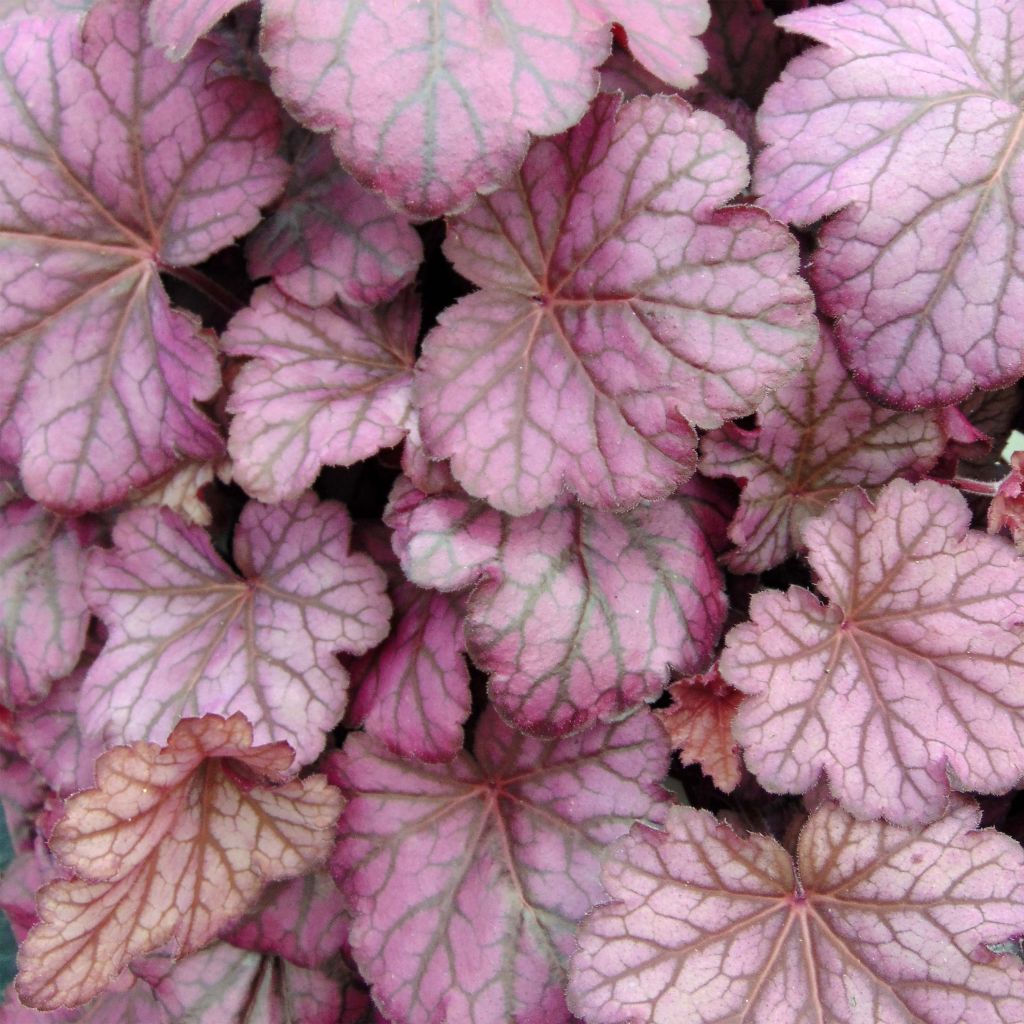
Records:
x=609, y=232
x=873, y=923
x=909, y=680
x=330, y=238
x=326, y=386
x=176, y=25
x=430, y=103
x=44, y=615
x=906, y=127
x=466, y=880
x=117, y=166
x=578, y=613
x=816, y=437
x=189, y=636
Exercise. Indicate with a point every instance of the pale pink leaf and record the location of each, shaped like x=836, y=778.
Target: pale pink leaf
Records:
x=908, y=681
x=117, y=165
x=173, y=845
x=873, y=924
x=10, y=10
x=326, y=386
x=578, y=613
x=467, y=880
x=176, y=25
x=181, y=490
x=619, y=307
x=815, y=437
x=907, y=126
x=189, y=636
x=331, y=238
x=430, y=103
x=43, y=613
x=127, y=1001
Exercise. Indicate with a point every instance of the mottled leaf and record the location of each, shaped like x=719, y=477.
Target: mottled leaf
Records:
x=907, y=126
x=429, y=103
x=466, y=880
x=618, y=307
x=815, y=437
x=43, y=614
x=326, y=386
x=175, y=25
x=117, y=165
x=873, y=924
x=911, y=671
x=331, y=238
x=174, y=844
x=578, y=613
x=188, y=635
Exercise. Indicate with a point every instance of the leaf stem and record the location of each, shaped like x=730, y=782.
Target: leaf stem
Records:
x=963, y=483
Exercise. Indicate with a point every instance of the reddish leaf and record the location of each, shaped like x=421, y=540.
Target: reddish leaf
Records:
x=175, y=25
x=117, y=166
x=1007, y=509
x=175, y=843
x=330, y=238
x=190, y=636
x=326, y=386
x=609, y=231
x=922, y=276
x=816, y=437
x=699, y=725
x=909, y=680
x=873, y=923
x=432, y=102
x=466, y=880
x=579, y=613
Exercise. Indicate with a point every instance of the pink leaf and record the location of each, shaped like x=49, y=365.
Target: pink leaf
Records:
x=43, y=614
x=579, y=613
x=873, y=923
x=176, y=25
x=816, y=437
x=1007, y=509
x=190, y=636
x=912, y=670
x=430, y=103
x=28, y=872
x=609, y=232
x=10, y=10
x=921, y=275
x=467, y=880
x=330, y=238
x=128, y=1001
x=326, y=386
x=117, y=166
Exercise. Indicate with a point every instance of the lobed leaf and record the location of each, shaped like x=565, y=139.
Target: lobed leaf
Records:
x=907, y=126
x=174, y=844
x=504, y=848
x=873, y=923
x=619, y=306
x=908, y=682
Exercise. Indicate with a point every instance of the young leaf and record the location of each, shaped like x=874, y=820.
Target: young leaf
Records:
x=430, y=103
x=326, y=386
x=176, y=25
x=1007, y=509
x=618, y=306
x=907, y=127
x=117, y=166
x=190, y=636
x=330, y=238
x=43, y=614
x=912, y=670
x=873, y=923
x=579, y=613
x=466, y=880
x=175, y=843
x=816, y=437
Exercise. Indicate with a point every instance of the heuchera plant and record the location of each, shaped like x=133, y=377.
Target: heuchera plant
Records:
x=512, y=511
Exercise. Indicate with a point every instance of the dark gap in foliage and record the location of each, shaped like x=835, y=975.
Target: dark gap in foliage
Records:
x=439, y=283
x=224, y=270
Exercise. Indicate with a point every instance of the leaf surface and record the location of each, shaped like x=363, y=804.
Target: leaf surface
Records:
x=911, y=670
x=504, y=848
x=11, y=10
x=325, y=386
x=174, y=844
x=873, y=923
x=188, y=635
x=578, y=613
x=117, y=165
x=618, y=308
x=815, y=437
x=907, y=126
x=176, y=25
